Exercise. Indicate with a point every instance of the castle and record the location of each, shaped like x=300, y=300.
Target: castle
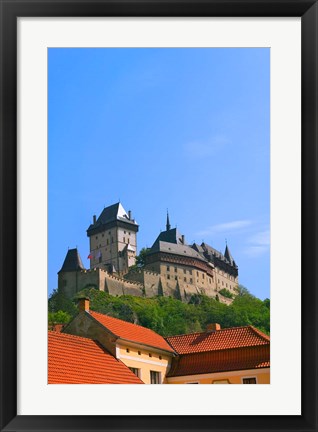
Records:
x=172, y=267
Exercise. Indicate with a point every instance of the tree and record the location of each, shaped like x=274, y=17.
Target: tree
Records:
x=141, y=258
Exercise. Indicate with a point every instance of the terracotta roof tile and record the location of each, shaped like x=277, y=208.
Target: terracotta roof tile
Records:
x=78, y=360
x=132, y=332
x=235, y=337
x=221, y=361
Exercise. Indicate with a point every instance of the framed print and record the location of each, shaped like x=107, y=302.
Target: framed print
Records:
x=40, y=41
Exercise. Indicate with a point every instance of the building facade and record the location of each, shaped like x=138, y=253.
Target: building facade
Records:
x=172, y=266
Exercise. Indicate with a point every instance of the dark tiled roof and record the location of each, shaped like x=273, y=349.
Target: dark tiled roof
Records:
x=221, y=361
x=176, y=249
x=132, y=332
x=72, y=261
x=235, y=337
x=170, y=236
x=115, y=212
x=78, y=360
x=228, y=255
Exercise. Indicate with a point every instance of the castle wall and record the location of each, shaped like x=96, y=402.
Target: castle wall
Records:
x=225, y=280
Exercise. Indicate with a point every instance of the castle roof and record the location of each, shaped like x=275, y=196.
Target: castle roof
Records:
x=78, y=360
x=72, y=262
x=113, y=213
x=228, y=255
x=132, y=332
x=172, y=242
x=228, y=338
x=212, y=253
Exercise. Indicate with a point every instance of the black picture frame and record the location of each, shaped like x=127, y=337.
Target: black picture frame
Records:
x=10, y=11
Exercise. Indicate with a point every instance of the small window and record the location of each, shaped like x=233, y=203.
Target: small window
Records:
x=160, y=358
x=109, y=232
x=129, y=233
x=124, y=240
x=190, y=271
x=168, y=268
x=184, y=271
x=197, y=273
x=175, y=269
x=124, y=232
x=150, y=355
x=154, y=377
x=202, y=275
x=135, y=371
x=191, y=280
x=185, y=279
x=168, y=276
x=176, y=277
x=107, y=242
x=103, y=235
x=139, y=352
x=112, y=239
x=96, y=237
x=249, y=380
x=127, y=350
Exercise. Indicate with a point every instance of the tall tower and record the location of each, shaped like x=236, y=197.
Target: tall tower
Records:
x=113, y=240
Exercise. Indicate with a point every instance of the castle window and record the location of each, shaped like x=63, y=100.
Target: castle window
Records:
x=103, y=235
x=184, y=271
x=124, y=240
x=222, y=283
x=168, y=276
x=202, y=275
x=96, y=237
x=175, y=269
x=185, y=279
x=197, y=273
x=191, y=280
x=226, y=285
x=124, y=232
x=209, y=280
x=168, y=268
x=112, y=239
x=107, y=242
x=176, y=277
x=190, y=271
x=129, y=233
x=109, y=232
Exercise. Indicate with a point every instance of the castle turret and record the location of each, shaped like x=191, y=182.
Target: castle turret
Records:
x=68, y=275
x=113, y=240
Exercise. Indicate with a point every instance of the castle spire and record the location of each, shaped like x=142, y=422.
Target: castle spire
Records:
x=168, y=226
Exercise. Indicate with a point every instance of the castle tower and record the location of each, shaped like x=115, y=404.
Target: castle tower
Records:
x=68, y=282
x=113, y=240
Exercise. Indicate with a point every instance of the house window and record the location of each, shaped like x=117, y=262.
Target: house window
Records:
x=127, y=349
x=192, y=383
x=139, y=352
x=249, y=380
x=135, y=371
x=154, y=377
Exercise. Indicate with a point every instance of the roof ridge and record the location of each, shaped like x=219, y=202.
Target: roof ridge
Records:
x=212, y=332
x=127, y=322
x=260, y=333
x=55, y=333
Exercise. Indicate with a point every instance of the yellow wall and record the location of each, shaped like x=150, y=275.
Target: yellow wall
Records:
x=234, y=377
x=143, y=361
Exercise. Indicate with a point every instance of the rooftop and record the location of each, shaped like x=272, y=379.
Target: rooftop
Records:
x=235, y=337
x=72, y=261
x=115, y=212
x=78, y=360
x=221, y=361
x=132, y=332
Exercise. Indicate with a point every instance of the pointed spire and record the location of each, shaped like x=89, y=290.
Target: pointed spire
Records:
x=228, y=255
x=168, y=226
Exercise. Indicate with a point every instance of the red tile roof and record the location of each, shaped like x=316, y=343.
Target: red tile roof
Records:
x=78, y=360
x=132, y=332
x=235, y=337
x=221, y=361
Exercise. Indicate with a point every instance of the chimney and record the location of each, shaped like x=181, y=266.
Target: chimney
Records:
x=182, y=239
x=213, y=327
x=83, y=304
x=94, y=219
x=129, y=214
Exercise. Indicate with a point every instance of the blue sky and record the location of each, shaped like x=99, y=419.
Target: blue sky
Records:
x=183, y=129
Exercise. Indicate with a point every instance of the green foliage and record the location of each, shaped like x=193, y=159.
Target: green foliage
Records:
x=59, y=317
x=140, y=259
x=169, y=316
x=226, y=293
x=58, y=301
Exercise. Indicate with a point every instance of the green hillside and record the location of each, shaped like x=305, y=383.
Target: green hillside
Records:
x=168, y=316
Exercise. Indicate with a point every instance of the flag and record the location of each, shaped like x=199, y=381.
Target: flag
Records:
x=90, y=256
